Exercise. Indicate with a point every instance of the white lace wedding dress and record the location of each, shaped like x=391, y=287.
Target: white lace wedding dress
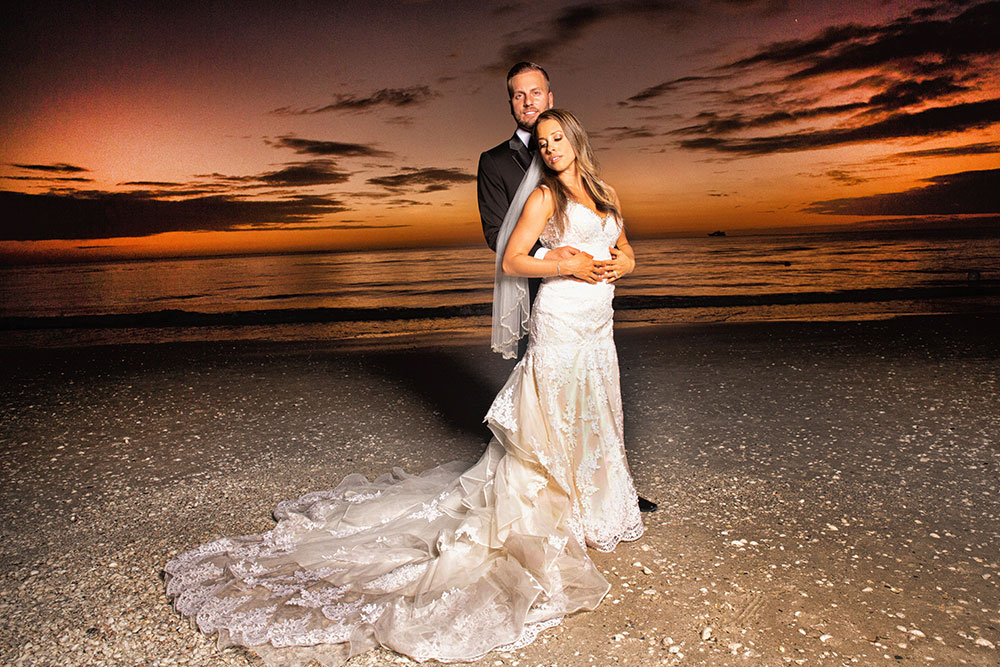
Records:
x=456, y=561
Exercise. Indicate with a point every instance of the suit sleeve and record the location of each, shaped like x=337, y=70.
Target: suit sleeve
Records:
x=492, y=199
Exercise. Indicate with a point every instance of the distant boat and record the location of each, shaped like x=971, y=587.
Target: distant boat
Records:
x=717, y=232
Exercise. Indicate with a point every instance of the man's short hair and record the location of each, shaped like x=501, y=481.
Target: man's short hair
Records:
x=521, y=68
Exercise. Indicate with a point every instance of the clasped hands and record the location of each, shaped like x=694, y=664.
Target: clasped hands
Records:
x=582, y=266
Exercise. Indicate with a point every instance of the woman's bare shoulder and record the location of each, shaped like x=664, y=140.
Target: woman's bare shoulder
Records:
x=540, y=199
x=536, y=212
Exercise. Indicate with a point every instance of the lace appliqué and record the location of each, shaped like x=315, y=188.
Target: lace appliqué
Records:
x=448, y=564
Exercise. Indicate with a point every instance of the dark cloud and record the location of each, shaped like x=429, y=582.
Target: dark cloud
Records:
x=184, y=192
x=405, y=203
x=713, y=123
x=894, y=97
x=918, y=42
x=845, y=177
x=951, y=151
x=174, y=190
x=293, y=175
x=622, y=132
x=870, y=81
x=49, y=179
x=967, y=192
x=423, y=180
x=328, y=148
x=567, y=26
x=385, y=97
x=58, y=167
x=797, y=50
x=99, y=215
x=571, y=23
x=153, y=184
x=658, y=90
x=353, y=224
x=908, y=63
x=909, y=93
x=316, y=172
x=930, y=122
x=359, y=225
x=370, y=195
x=402, y=121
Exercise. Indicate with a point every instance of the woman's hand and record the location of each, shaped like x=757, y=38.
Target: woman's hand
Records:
x=621, y=264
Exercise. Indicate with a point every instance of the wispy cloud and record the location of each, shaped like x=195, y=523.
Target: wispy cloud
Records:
x=292, y=175
x=967, y=192
x=621, y=132
x=930, y=122
x=405, y=203
x=384, y=97
x=920, y=75
x=430, y=179
x=539, y=42
x=58, y=167
x=316, y=172
x=983, y=148
x=153, y=184
x=914, y=91
x=713, y=123
x=653, y=92
x=319, y=227
x=845, y=177
x=49, y=179
x=919, y=43
x=565, y=27
x=894, y=97
x=101, y=215
x=328, y=148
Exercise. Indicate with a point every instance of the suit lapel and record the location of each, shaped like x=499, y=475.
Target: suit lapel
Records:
x=520, y=153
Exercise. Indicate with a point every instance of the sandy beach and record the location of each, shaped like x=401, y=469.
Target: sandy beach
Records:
x=829, y=491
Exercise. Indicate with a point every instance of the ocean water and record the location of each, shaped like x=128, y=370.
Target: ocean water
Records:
x=376, y=295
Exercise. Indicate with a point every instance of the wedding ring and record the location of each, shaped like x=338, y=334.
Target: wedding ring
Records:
x=616, y=273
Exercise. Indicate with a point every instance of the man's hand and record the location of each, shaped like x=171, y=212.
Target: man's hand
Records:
x=581, y=266
x=561, y=253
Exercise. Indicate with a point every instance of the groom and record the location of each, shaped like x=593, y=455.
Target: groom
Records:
x=502, y=168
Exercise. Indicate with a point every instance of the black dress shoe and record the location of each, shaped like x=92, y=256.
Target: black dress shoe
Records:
x=646, y=505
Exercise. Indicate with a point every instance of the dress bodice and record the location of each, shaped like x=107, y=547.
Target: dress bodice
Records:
x=584, y=230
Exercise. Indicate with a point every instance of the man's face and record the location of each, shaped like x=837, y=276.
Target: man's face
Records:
x=530, y=96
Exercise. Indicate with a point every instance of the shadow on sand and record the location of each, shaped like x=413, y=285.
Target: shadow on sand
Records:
x=452, y=384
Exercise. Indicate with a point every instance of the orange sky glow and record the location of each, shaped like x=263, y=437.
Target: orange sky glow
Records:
x=157, y=132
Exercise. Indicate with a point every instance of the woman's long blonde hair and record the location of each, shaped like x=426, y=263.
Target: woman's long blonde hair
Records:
x=586, y=164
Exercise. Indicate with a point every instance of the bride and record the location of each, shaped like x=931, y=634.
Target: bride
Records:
x=455, y=562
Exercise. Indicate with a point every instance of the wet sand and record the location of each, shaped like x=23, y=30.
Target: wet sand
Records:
x=829, y=492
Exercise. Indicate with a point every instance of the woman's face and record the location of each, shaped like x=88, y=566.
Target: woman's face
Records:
x=554, y=145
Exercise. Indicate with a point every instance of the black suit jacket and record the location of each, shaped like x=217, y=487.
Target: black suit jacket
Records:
x=501, y=169
x=500, y=172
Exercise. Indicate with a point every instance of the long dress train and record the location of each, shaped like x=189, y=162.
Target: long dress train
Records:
x=456, y=561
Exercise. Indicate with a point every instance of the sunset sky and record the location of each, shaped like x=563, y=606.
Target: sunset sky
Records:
x=251, y=127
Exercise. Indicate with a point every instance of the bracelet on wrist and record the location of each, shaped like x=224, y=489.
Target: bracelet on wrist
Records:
x=558, y=270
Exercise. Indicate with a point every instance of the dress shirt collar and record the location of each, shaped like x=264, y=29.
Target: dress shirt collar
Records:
x=524, y=136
